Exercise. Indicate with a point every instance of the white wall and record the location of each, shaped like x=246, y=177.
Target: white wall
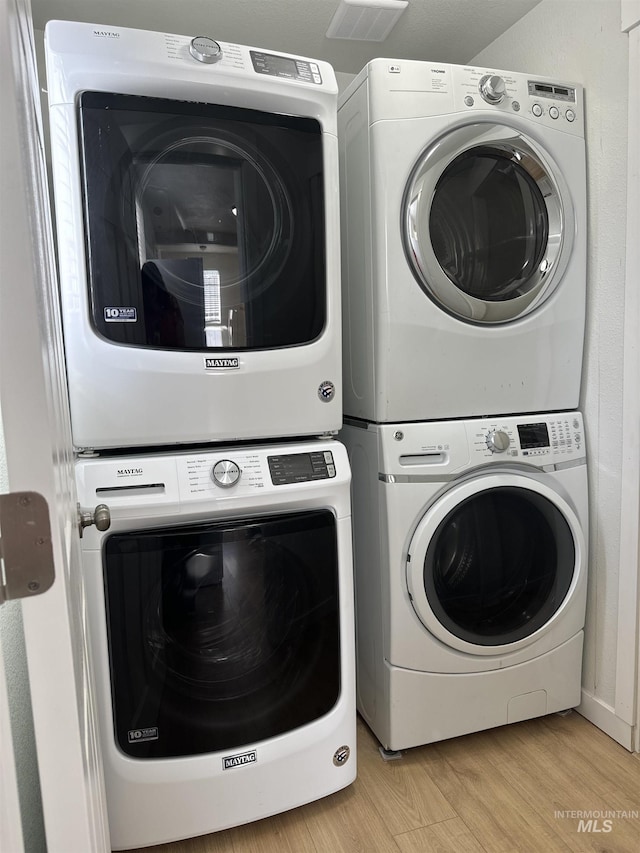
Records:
x=581, y=41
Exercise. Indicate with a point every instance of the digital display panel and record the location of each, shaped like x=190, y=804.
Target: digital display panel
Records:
x=301, y=467
x=546, y=90
x=533, y=435
x=284, y=66
x=281, y=65
x=291, y=468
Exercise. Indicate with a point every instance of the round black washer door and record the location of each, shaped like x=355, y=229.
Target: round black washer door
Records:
x=493, y=561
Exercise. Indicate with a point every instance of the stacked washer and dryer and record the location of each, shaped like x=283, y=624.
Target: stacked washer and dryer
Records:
x=196, y=195
x=463, y=216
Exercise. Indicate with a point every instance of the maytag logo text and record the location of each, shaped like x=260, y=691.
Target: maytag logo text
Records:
x=239, y=760
x=211, y=363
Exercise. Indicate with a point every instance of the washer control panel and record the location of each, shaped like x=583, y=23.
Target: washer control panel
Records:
x=542, y=440
x=224, y=479
x=434, y=449
x=293, y=68
x=301, y=467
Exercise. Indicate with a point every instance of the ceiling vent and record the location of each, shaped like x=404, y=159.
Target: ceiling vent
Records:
x=365, y=20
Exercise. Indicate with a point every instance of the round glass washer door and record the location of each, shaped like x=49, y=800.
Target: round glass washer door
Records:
x=487, y=224
x=494, y=562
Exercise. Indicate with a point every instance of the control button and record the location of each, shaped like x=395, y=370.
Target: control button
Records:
x=331, y=470
x=205, y=49
x=317, y=78
x=328, y=457
x=554, y=112
x=469, y=101
x=225, y=473
x=515, y=105
x=492, y=88
x=570, y=115
x=497, y=441
x=536, y=109
x=314, y=67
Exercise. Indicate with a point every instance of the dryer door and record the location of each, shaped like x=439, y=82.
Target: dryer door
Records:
x=204, y=224
x=488, y=223
x=494, y=562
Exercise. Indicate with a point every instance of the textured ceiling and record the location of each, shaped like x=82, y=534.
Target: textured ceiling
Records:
x=438, y=30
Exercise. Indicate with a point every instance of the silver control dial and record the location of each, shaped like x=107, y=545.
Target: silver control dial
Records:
x=205, y=49
x=498, y=441
x=493, y=88
x=225, y=473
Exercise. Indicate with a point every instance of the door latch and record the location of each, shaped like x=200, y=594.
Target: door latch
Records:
x=26, y=551
x=100, y=516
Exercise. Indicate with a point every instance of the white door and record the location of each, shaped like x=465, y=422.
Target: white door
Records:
x=37, y=458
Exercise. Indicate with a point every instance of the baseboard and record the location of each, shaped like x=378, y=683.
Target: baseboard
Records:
x=604, y=717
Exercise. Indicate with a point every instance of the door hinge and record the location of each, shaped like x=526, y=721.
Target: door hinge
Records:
x=100, y=516
x=26, y=552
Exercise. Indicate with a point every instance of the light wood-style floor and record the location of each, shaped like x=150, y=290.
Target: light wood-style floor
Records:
x=497, y=791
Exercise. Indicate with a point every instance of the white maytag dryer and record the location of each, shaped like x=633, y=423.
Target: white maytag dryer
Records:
x=196, y=198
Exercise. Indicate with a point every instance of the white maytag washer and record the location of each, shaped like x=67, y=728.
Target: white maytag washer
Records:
x=196, y=197
x=470, y=542
x=464, y=242
x=220, y=611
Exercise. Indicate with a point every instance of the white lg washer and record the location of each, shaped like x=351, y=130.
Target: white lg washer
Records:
x=464, y=242
x=196, y=197
x=220, y=613
x=470, y=571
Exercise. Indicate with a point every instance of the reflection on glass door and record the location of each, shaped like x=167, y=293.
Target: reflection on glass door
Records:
x=499, y=566
x=205, y=224
x=486, y=229
x=222, y=634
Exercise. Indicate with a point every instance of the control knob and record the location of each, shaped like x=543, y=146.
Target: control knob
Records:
x=498, y=441
x=493, y=88
x=205, y=49
x=225, y=473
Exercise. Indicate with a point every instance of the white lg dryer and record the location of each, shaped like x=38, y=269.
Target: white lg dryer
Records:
x=196, y=196
x=464, y=242
x=470, y=543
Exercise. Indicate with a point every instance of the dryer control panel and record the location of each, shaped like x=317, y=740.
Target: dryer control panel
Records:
x=549, y=102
